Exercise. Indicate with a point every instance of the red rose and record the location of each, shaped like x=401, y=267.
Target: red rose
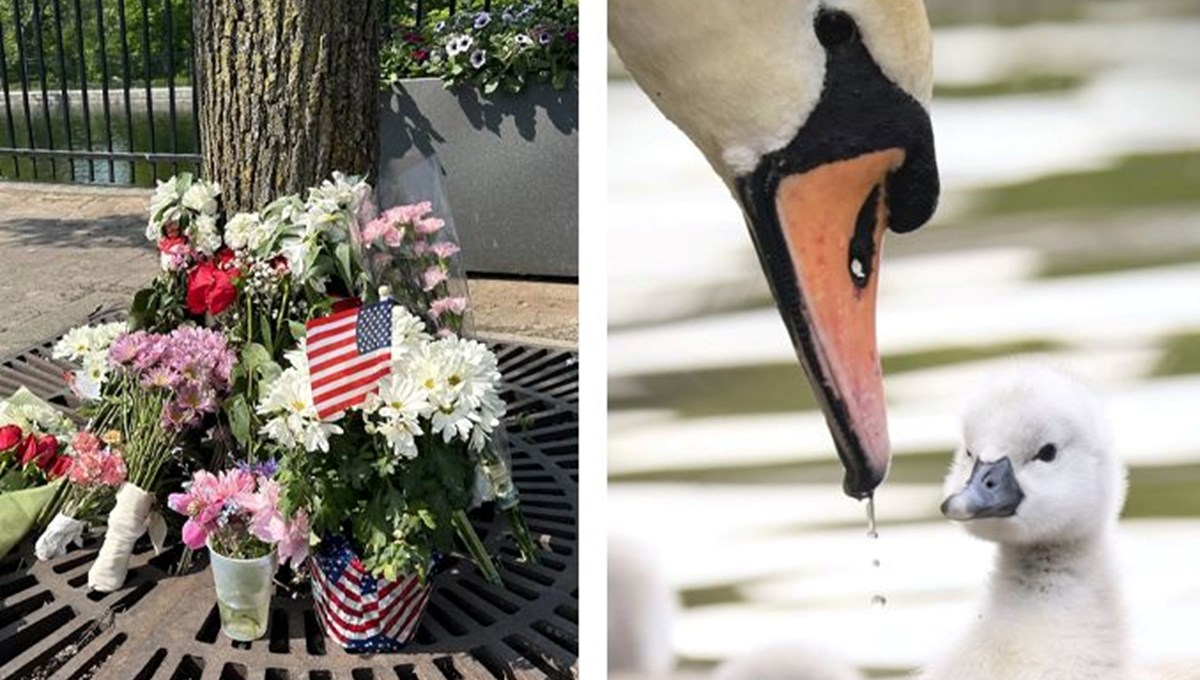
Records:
x=29, y=450
x=47, y=451
x=420, y=55
x=210, y=288
x=10, y=436
x=62, y=465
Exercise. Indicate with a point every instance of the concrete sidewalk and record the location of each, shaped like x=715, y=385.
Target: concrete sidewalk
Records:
x=68, y=250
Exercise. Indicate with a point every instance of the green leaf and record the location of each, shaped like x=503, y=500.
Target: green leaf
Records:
x=255, y=356
x=239, y=419
x=342, y=255
x=298, y=330
x=141, y=311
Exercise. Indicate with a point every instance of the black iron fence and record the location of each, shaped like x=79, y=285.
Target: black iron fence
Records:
x=96, y=91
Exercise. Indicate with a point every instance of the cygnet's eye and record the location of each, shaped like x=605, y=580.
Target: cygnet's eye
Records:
x=834, y=28
x=1047, y=453
x=969, y=454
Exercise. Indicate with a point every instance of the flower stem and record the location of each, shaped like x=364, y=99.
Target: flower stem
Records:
x=522, y=535
x=467, y=534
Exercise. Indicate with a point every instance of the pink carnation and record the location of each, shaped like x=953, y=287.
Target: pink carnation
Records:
x=445, y=249
x=433, y=277
x=453, y=305
x=430, y=225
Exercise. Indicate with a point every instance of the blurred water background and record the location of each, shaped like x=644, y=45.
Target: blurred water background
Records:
x=1068, y=135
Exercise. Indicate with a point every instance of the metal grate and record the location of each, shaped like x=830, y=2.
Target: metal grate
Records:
x=162, y=626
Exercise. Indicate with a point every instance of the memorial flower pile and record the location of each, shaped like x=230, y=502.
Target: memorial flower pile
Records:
x=215, y=371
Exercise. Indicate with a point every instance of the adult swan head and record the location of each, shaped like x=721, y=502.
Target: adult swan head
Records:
x=815, y=113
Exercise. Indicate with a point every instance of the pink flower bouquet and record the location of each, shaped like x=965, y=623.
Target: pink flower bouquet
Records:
x=94, y=470
x=236, y=513
x=413, y=253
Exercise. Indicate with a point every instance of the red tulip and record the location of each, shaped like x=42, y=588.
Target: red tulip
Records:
x=10, y=436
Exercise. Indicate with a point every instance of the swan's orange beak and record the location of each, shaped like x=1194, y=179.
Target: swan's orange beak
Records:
x=863, y=163
x=833, y=218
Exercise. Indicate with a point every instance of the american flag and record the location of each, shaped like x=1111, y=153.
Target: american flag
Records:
x=349, y=352
x=361, y=613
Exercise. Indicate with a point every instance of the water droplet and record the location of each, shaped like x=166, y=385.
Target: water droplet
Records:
x=878, y=601
x=871, y=533
x=856, y=268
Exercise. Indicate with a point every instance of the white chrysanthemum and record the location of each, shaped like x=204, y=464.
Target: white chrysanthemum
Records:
x=398, y=408
x=289, y=400
x=453, y=421
x=203, y=235
x=95, y=366
x=408, y=333
x=295, y=421
x=201, y=197
x=104, y=335
x=461, y=377
x=76, y=344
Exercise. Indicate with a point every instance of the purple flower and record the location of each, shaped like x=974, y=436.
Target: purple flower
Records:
x=159, y=377
x=482, y=19
x=125, y=348
x=195, y=397
x=266, y=468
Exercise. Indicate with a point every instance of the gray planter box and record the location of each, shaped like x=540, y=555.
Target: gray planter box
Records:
x=511, y=165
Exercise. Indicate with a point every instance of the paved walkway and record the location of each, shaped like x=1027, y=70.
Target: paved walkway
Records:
x=67, y=250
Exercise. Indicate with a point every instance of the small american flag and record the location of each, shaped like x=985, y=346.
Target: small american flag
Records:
x=349, y=352
x=361, y=613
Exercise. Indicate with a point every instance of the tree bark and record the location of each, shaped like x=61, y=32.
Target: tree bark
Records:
x=288, y=94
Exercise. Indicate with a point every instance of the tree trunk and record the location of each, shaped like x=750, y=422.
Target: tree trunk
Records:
x=288, y=94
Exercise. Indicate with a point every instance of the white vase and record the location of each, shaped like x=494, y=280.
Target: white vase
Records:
x=244, y=590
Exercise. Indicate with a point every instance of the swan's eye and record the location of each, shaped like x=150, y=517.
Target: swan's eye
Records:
x=1047, y=453
x=834, y=28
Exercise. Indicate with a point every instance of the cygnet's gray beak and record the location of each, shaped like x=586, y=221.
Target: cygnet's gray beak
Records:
x=992, y=491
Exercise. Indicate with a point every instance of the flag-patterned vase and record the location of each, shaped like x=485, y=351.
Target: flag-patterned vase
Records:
x=359, y=612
